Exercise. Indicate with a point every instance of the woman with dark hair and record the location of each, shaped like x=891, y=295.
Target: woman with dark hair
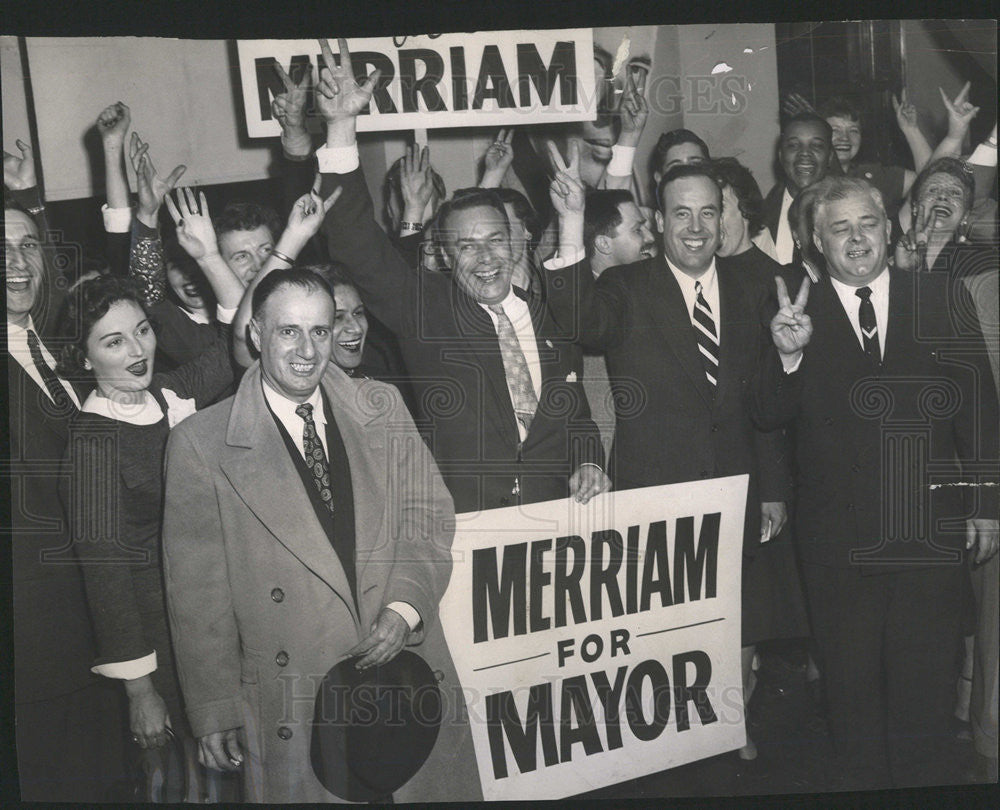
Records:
x=350, y=326
x=113, y=495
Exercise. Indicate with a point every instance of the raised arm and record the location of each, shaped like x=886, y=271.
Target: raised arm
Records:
x=20, y=180
x=632, y=112
x=497, y=159
x=386, y=282
x=112, y=126
x=146, y=259
x=906, y=117
x=303, y=223
x=960, y=114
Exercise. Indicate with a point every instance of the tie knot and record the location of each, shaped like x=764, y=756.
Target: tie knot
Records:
x=32, y=338
x=697, y=287
x=864, y=293
x=496, y=309
x=305, y=410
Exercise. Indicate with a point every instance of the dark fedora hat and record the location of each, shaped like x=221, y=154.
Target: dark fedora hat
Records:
x=372, y=730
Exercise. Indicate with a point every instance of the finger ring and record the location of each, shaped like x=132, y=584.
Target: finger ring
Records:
x=180, y=223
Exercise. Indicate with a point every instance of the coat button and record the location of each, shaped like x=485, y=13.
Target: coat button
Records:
x=504, y=501
x=278, y=595
x=281, y=659
x=284, y=732
x=850, y=507
x=855, y=468
x=828, y=421
x=715, y=428
x=438, y=675
x=703, y=473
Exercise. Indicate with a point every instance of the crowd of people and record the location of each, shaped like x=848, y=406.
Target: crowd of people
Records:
x=237, y=450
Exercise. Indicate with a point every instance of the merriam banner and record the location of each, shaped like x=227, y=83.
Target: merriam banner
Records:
x=481, y=79
x=599, y=643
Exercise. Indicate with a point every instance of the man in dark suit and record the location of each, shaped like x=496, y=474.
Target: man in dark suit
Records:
x=805, y=153
x=896, y=441
x=69, y=724
x=498, y=389
x=682, y=335
x=304, y=523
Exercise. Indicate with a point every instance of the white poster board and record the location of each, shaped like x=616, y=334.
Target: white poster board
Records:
x=481, y=79
x=599, y=643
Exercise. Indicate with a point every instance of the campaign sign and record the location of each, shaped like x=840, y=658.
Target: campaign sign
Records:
x=599, y=643
x=482, y=79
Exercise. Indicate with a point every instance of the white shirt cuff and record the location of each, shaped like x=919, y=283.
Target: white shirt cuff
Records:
x=223, y=315
x=338, y=159
x=791, y=365
x=622, y=159
x=116, y=220
x=408, y=612
x=984, y=155
x=565, y=259
x=127, y=670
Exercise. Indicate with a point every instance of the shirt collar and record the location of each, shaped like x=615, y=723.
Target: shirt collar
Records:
x=147, y=412
x=512, y=300
x=879, y=287
x=707, y=278
x=284, y=408
x=20, y=332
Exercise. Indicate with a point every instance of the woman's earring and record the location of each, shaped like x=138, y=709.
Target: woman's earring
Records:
x=87, y=366
x=963, y=228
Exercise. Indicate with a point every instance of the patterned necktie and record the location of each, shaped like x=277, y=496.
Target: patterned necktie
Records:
x=315, y=457
x=516, y=368
x=869, y=328
x=55, y=388
x=708, y=338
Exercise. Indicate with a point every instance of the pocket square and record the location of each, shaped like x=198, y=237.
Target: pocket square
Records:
x=571, y=377
x=548, y=343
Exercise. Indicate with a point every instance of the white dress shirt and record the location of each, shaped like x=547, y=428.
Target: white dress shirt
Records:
x=880, y=303
x=17, y=348
x=709, y=288
x=520, y=317
x=784, y=244
x=284, y=409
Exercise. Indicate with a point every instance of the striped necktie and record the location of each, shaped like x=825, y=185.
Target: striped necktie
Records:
x=706, y=334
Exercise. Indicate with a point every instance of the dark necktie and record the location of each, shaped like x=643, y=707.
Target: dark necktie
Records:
x=55, y=388
x=315, y=457
x=869, y=328
x=516, y=368
x=708, y=338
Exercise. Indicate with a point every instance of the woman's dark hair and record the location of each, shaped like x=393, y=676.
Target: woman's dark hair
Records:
x=952, y=166
x=730, y=172
x=86, y=304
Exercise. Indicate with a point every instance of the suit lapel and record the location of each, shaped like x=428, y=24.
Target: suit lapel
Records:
x=675, y=324
x=548, y=354
x=901, y=302
x=273, y=490
x=830, y=311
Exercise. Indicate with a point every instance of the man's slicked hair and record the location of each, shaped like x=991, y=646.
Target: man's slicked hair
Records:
x=686, y=170
x=668, y=140
x=602, y=215
x=246, y=216
x=287, y=277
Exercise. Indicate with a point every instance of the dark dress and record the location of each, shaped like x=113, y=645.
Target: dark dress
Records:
x=774, y=605
x=115, y=508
